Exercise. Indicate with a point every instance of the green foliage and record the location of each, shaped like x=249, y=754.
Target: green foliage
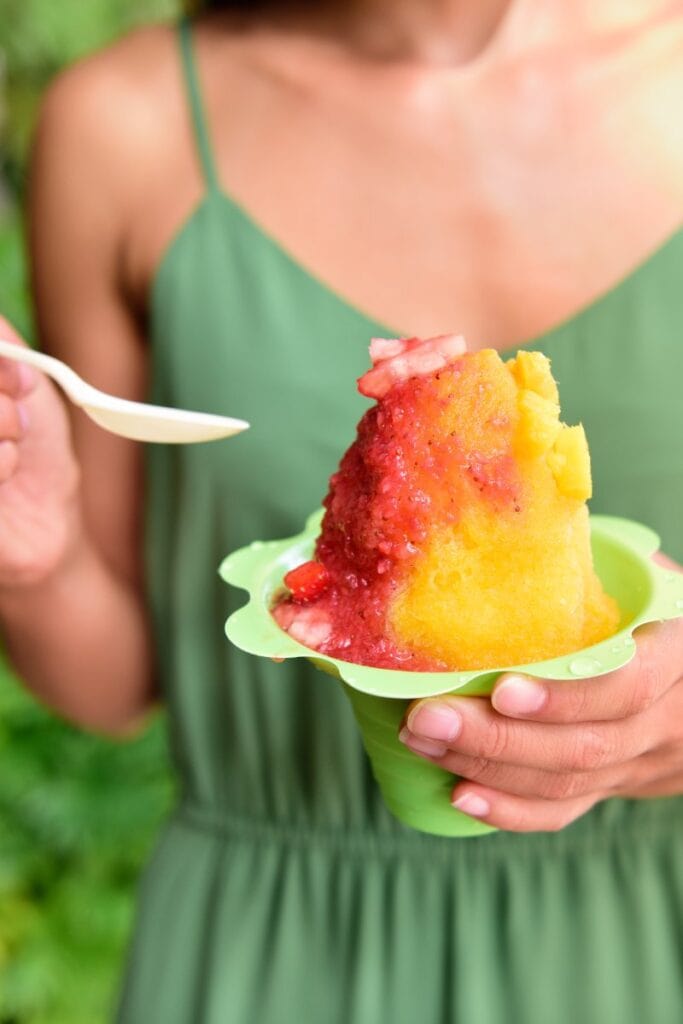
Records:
x=76, y=818
x=77, y=813
x=13, y=303
x=38, y=37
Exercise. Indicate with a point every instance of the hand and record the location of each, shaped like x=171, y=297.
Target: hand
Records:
x=38, y=474
x=540, y=753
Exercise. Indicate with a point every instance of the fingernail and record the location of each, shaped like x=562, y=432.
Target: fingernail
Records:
x=518, y=695
x=436, y=720
x=470, y=803
x=24, y=419
x=420, y=745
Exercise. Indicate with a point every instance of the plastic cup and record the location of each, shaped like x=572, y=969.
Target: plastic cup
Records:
x=416, y=791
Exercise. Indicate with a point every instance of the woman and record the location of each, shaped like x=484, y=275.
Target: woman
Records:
x=220, y=219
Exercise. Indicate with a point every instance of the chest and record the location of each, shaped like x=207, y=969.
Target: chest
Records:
x=496, y=207
x=285, y=358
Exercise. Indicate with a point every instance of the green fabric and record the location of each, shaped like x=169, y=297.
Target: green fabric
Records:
x=282, y=890
x=194, y=99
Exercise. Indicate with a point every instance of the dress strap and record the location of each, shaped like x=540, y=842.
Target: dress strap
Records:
x=194, y=98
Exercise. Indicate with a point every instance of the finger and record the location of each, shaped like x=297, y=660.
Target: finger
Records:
x=656, y=666
x=16, y=379
x=13, y=379
x=657, y=774
x=670, y=785
x=531, y=782
x=9, y=460
x=514, y=813
x=661, y=559
x=470, y=725
x=13, y=419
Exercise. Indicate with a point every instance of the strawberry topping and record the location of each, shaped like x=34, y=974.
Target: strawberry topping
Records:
x=397, y=359
x=307, y=582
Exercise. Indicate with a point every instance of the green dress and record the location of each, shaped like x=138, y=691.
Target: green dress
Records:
x=281, y=890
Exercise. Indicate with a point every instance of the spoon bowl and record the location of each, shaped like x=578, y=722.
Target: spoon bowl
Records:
x=135, y=420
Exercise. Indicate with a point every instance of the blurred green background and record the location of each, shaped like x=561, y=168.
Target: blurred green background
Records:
x=77, y=813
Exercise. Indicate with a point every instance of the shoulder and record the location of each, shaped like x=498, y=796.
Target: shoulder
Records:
x=664, y=34
x=125, y=107
x=107, y=129
x=637, y=75
x=114, y=160
x=657, y=78
x=115, y=100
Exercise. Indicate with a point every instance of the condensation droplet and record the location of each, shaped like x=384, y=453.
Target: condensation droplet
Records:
x=584, y=666
x=629, y=642
x=679, y=604
x=616, y=648
x=256, y=545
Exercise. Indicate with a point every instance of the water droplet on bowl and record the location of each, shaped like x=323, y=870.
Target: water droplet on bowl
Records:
x=629, y=642
x=679, y=604
x=616, y=648
x=256, y=545
x=584, y=666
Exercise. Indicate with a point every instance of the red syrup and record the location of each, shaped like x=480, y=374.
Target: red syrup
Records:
x=402, y=474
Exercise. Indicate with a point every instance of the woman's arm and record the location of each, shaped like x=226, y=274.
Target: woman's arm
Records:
x=72, y=611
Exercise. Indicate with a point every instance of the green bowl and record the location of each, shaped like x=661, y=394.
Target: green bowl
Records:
x=416, y=791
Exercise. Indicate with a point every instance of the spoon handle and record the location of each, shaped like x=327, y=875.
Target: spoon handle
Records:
x=75, y=387
x=136, y=420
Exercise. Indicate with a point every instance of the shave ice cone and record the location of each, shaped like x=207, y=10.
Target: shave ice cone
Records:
x=455, y=544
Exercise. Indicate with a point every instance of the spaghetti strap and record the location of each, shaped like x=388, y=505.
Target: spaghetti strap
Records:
x=194, y=97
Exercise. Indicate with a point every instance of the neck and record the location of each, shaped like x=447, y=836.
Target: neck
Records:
x=458, y=32
x=436, y=32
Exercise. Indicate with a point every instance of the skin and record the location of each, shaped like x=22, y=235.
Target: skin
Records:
x=540, y=753
x=441, y=165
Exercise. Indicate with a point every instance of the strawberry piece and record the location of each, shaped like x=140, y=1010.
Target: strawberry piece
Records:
x=396, y=360
x=387, y=348
x=308, y=624
x=307, y=581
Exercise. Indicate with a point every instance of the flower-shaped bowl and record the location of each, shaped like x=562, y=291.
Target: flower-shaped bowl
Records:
x=416, y=791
